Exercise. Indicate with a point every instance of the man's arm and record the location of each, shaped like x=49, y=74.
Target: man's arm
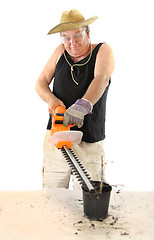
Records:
x=44, y=80
x=104, y=67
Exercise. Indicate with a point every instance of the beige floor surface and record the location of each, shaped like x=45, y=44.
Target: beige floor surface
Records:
x=58, y=214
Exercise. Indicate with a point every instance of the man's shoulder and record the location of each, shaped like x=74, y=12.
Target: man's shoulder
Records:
x=105, y=47
x=105, y=50
x=59, y=50
x=56, y=54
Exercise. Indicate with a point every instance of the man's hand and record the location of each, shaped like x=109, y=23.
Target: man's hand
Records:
x=75, y=113
x=53, y=103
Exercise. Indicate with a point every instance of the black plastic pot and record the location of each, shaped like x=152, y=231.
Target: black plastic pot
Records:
x=96, y=204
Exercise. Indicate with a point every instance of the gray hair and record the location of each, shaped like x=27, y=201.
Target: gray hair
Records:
x=86, y=28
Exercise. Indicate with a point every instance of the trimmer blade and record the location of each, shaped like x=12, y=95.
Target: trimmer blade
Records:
x=77, y=168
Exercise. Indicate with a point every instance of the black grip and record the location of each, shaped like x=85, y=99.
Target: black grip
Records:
x=60, y=114
x=58, y=122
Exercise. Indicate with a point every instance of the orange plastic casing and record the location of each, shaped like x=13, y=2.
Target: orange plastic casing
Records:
x=57, y=127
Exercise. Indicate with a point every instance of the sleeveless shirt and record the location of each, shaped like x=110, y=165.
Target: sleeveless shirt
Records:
x=67, y=91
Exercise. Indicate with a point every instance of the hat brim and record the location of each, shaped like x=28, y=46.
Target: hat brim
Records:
x=72, y=25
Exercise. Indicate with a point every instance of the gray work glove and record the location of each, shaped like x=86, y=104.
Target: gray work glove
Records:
x=75, y=113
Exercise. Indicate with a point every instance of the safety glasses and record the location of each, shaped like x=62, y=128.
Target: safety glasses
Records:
x=77, y=37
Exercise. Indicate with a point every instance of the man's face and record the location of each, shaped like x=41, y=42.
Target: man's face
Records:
x=75, y=41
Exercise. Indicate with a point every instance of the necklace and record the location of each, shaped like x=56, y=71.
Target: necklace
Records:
x=77, y=64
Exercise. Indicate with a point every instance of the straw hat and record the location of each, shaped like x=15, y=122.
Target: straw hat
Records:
x=72, y=19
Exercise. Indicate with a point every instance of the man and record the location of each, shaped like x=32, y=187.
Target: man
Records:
x=81, y=73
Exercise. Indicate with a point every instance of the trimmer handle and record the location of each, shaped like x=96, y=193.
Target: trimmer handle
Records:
x=61, y=135
x=57, y=120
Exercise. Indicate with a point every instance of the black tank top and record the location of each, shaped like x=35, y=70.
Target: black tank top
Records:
x=66, y=90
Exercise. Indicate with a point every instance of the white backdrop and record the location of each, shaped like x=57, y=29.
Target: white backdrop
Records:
x=127, y=25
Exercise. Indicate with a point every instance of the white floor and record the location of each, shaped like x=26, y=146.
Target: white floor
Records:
x=58, y=214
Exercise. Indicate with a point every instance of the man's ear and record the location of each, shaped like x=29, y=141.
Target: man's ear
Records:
x=88, y=33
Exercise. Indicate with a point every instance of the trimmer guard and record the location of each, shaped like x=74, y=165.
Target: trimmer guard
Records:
x=74, y=137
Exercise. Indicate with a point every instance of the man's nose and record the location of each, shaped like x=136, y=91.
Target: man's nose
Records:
x=72, y=41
